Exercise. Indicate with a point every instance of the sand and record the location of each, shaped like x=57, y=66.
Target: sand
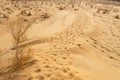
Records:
x=61, y=40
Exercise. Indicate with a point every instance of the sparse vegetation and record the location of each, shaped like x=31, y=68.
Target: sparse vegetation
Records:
x=44, y=16
x=18, y=27
x=117, y=17
x=70, y=39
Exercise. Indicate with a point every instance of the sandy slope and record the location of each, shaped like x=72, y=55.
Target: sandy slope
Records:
x=68, y=45
x=58, y=21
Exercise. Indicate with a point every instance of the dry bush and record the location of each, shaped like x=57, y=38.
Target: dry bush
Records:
x=23, y=56
x=44, y=15
x=117, y=17
x=103, y=11
x=18, y=26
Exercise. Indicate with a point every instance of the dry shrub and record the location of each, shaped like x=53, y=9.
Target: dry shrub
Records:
x=18, y=26
x=103, y=11
x=44, y=16
x=117, y=17
x=23, y=56
x=61, y=8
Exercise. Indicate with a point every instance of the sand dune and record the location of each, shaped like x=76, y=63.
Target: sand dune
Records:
x=58, y=40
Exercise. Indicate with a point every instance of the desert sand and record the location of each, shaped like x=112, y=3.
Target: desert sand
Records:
x=59, y=40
